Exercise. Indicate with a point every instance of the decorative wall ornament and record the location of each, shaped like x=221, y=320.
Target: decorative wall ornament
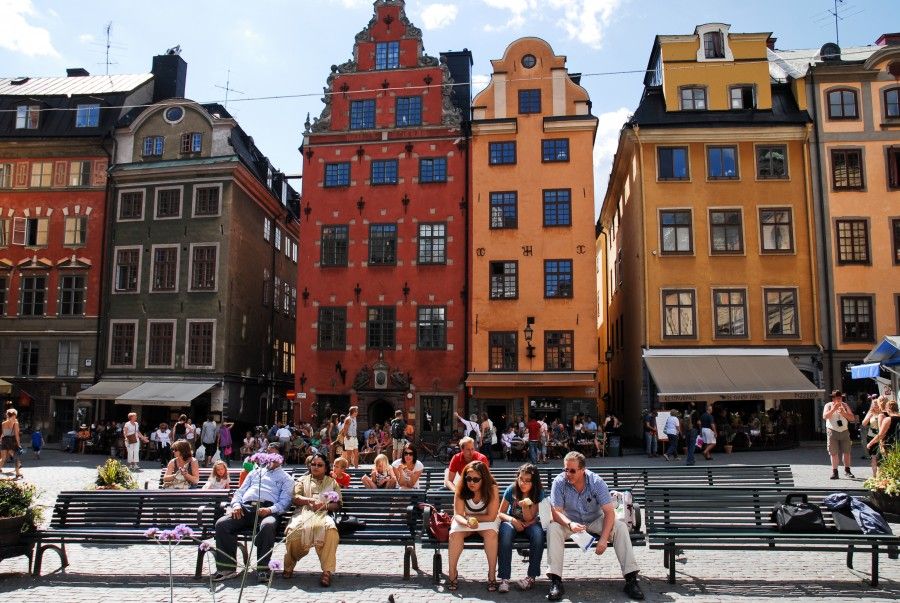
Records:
x=527, y=250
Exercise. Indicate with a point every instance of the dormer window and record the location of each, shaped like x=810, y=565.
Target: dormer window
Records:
x=693, y=98
x=743, y=97
x=27, y=117
x=387, y=55
x=714, y=45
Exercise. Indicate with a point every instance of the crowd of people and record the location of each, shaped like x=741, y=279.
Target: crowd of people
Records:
x=879, y=430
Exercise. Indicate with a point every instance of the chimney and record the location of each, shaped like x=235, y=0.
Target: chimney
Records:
x=77, y=72
x=169, y=76
x=888, y=39
x=459, y=63
x=770, y=43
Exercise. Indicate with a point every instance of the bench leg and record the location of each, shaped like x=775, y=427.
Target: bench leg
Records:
x=39, y=558
x=850, y=556
x=414, y=558
x=198, y=571
x=436, y=566
x=670, y=549
x=406, y=562
x=874, y=566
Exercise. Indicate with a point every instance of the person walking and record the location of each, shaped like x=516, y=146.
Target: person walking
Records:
x=163, y=443
x=651, y=439
x=133, y=438
x=10, y=440
x=692, y=422
x=209, y=438
x=398, y=436
x=581, y=503
x=351, y=440
x=672, y=430
x=838, y=416
x=534, y=439
x=708, y=432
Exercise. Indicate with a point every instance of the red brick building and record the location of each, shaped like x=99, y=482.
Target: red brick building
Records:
x=382, y=312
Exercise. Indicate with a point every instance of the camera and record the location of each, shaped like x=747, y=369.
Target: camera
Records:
x=840, y=423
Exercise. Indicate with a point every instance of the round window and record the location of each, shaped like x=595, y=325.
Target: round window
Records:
x=528, y=61
x=174, y=114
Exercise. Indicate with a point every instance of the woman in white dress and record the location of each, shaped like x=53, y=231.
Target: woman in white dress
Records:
x=475, y=507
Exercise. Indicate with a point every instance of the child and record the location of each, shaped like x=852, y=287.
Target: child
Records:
x=37, y=442
x=218, y=477
x=339, y=473
x=381, y=476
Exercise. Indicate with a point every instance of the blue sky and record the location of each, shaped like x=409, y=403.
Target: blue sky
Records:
x=284, y=48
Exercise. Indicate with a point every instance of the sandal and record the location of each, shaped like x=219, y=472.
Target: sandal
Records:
x=452, y=584
x=492, y=586
x=287, y=574
x=325, y=580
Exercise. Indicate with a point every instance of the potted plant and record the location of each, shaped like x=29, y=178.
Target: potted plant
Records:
x=18, y=512
x=114, y=475
x=886, y=487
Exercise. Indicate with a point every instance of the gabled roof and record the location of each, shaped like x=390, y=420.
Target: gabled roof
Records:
x=796, y=63
x=58, y=86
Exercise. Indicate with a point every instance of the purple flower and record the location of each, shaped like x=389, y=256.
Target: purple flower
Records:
x=275, y=565
x=265, y=459
x=151, y=532
x=166, y=535
x=183, y=531
x=330, y=497
x=205, y=546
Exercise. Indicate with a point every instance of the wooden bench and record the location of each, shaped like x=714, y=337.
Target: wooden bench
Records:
x=122, y=517
x=738, y=519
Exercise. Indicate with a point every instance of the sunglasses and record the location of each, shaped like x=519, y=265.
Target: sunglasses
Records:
x=408, y=452
x=571, y=471
x=317, y=464
x=472, y=480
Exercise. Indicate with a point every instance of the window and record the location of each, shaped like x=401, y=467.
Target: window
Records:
x=4, y=293
x=76, y=231
x=267, y=229
x=726, y=232
x=503, y=347
x=558, y=207
x=337, y=174
x=781, y=312
x=433, y=170
x=382, y=244
x=730, y=308
x=504, y=280
x=206, y=201
x=503, y=210
x=852, y=241
x=529, y=101
x=87, y=116
x=79, y=173
x=203, y=267
x=67, y=359
x=892, y=102
x=27, y=117
x=168, y=203
x=721, y=163
x=895, y=229
x=384, y=171
x=165, y=269
x=30, y=232
x=6, y=173
x=431, y=329
x=131, y=205
x=4, y=233
x=678, y=313
x=266, y=288
x=776, y=230
x=335, y=242
x=277, y=239
x=559, y=350
x=693, y=98
x=121, y=344
x=362, y=114
x=332, y=325
x=856, y=318
x=71, y=295
x=408, y=111
x=743, y=97
x=555, y=149
x=41, y=174
x=387, y=55
x=28, y=359
x=153, y=146
x=713, y=45
x=846, y=169
x=128, y=266
x=893, y=159
x=380, y=328
x=191, y=142
x=502, y=153
x=771, y=162
x=201, y=338
x=842, y=104
x=675, y=230
x=557, y=278
x=160, y=343
x=432, y=243
x=32, y=295
x=673, y=163
x=437, y=414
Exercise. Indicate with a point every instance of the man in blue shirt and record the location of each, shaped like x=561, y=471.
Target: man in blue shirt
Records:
x=581, y=503
x=266, y=492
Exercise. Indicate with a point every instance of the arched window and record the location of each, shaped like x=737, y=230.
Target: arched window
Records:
x=892, y=102
x=842, y=104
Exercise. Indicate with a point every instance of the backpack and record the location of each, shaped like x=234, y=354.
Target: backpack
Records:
x=398, y=429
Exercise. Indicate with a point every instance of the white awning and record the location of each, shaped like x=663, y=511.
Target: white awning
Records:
x=5, y=387
x=155, y=393
x=107, y=390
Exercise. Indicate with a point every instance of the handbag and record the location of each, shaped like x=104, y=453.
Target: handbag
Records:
x=347, y=524
x=438, y=523
x=132, y=438
x=800, y=516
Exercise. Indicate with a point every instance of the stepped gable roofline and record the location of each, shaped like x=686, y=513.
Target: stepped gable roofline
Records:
x=411, y=32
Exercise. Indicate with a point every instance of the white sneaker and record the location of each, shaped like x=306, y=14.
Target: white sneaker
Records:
x=504, y=586
x=525, y=583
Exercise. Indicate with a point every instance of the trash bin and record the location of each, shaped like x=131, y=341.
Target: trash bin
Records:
x=615, y=445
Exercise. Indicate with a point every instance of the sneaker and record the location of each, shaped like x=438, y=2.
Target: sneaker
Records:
x=263, y=576
x=525, y=583
x=834, y=474
x=223, y=576
x=848, y=474
x=666, y=456
x=504, y=586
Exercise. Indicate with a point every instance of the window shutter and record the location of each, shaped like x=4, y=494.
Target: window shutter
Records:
x=18, y=235
x=21, y=180
x=98, y=177
x=60, y=173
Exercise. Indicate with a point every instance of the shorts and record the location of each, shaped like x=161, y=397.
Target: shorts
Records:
x=839, y=441
x=8, y=443
x=351, y=443
x=210, y=450
x=399, y=445
x=709, y=436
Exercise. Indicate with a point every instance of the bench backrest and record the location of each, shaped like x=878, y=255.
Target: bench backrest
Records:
x=234, y=474
x=136, y=509
x=384, y=511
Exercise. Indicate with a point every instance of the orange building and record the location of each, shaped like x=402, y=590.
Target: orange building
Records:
x=706, y=236
x=532, y=322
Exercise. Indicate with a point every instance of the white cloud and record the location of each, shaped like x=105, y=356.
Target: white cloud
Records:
x=608, y=126
x=86, y=38
x=585, y=20
x=517, y=9
x=436, y=16
x=17, y=35
x=480, y=82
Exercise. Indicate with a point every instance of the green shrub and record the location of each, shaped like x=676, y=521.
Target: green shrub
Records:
x=114, y=475
x=17, y=499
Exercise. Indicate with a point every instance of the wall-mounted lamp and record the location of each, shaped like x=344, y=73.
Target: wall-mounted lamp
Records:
x=307, y=210
x=309, y=153
x=405, y=290
x=385, y=84
x=405, y=202
x=608, y=355
x=305, y=295
x=360, y=151
x=302, y=381
x=529, y=334
x=345, y=87
x=409, y=147
x=357, y=290
x=360, y=205
x=427, y=79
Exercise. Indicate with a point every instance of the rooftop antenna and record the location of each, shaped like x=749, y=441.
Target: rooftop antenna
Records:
x=227, y=88
x=108, y=36
x=837, y=18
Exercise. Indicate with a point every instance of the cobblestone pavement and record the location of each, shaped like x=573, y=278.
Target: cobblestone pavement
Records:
x=373, y=574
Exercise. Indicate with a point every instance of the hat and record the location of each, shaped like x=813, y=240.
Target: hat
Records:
x=83, y=426
x=275, y=445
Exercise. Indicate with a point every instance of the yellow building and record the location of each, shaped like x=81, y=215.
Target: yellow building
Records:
x=706, y=237
x=533, y=344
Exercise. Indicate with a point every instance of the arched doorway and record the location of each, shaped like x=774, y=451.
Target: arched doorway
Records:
x=380, y=411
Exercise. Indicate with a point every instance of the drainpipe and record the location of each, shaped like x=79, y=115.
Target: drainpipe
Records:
x=467, y=134
x=606, y=300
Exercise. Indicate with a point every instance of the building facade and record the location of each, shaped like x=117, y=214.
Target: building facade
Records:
x=381, y=323
x=706, y=237
x=533, y=283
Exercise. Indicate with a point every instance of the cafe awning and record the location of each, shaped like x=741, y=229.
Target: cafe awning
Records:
x=864, y=371
x=887, y=352
x=155, y=393
x=532, y=379
x=5, y=387
x=106, y=390
x=727, y=374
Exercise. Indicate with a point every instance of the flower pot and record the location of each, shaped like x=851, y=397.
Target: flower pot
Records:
x=887, y=503
x=729, y=448
x=11, y=530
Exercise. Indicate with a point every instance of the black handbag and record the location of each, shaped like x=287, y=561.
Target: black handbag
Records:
x=803, y=516
x=348, y=524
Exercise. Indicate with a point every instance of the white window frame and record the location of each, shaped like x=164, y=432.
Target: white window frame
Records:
x=194, y=192
x=48, y=175
x=153, y=249
x=709, y=28
x=191, y=267
x=187, y=343
x=112, y=323
x=89, y=109
x=66, y=231
x=77, y=178
x=23, y=118
x=115, y=274
x=278, y=238
x=69, y=343
x=153, y=321
x=180, y=202
x=267, y=228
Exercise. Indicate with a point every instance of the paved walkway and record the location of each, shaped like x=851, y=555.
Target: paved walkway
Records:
x=373, y=574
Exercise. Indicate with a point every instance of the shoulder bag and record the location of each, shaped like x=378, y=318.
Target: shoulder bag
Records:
x=802, y=516
x=438, y=523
